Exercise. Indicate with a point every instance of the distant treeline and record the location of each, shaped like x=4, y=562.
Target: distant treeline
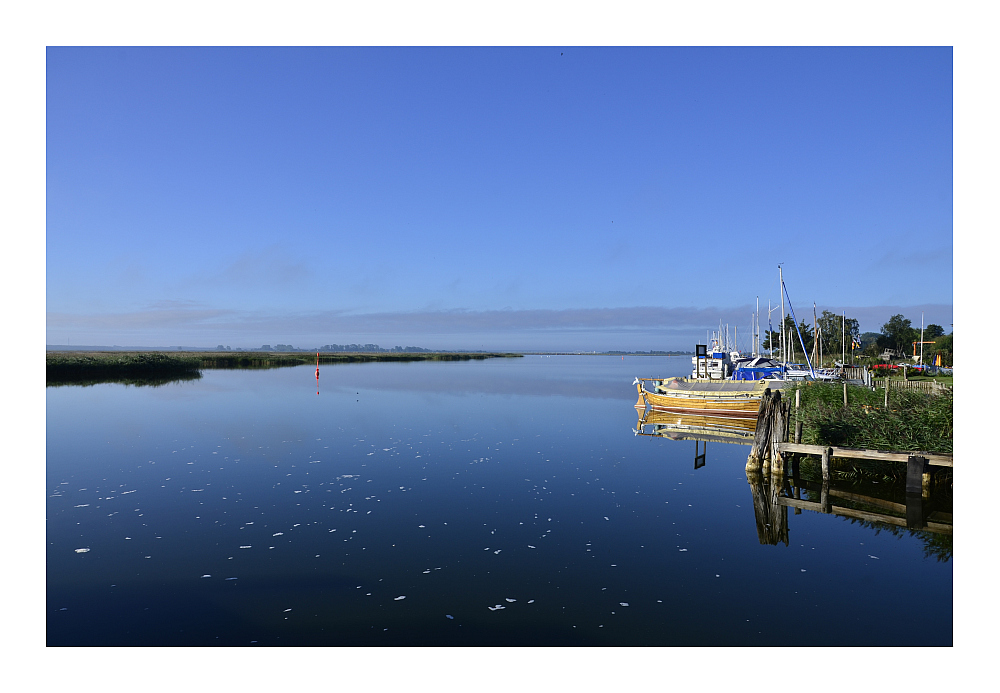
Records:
x=269, y=360
x=649, y=353
x=351, y=348
x=147, y=367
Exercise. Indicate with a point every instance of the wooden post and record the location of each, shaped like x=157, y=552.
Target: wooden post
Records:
x=798, y=431
x=825, y=464
x=795, y=467
x=916, y=467
x=797, y=398
x=778, y=428
x=886, y=392
x=824, y=496
x=925, y=482
x=762, y=435
x=845, y=394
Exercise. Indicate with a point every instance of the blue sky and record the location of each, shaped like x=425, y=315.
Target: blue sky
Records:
x=514, y=198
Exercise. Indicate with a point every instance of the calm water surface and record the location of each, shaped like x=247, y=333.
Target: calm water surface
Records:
x=501, y=502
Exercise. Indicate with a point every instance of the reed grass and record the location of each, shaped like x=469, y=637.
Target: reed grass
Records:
x=92, y=366
x=914, y=421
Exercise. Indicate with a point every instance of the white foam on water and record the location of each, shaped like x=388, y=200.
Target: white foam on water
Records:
x=206, y=575
x=286, y=611
x=232, y=578
x=81, y=550
x=623, y=603
x=399, y=598
x=244, y=547
x=277, y=534
x=510, y=600
x=82, y=506
x=531, y=601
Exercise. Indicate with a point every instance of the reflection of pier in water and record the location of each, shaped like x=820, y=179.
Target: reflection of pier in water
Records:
x=774, y=494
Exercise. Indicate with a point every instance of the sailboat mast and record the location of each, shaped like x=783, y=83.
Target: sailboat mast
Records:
x=921, y=338
x=770, y=337
x=817, y=341
x=781, y=297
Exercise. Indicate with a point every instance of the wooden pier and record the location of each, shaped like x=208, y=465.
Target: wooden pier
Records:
x=771, y=449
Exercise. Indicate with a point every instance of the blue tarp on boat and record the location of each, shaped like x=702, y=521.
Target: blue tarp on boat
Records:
x=756, y=373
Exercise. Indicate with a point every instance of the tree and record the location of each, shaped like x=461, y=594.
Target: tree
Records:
x=772, y=340
x=898, y=334
x=832, y=326
x=933, y=331
x=942, y=346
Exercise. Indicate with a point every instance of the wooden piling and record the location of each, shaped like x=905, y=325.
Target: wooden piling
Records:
x=779, y=427
x=825, y=464
x=845, y=394
x=916, y=467
x=762, y=435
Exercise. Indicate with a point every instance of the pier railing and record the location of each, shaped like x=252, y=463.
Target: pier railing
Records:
x=927, y=386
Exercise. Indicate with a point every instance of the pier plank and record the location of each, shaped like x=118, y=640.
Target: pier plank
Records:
x=936, y=459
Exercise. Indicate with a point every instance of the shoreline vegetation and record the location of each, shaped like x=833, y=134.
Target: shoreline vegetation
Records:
x=157, y=368
x=913, y=421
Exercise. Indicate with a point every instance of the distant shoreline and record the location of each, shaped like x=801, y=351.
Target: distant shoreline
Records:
x=69, y=367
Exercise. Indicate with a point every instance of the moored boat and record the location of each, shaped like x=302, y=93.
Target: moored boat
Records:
x=727, y=398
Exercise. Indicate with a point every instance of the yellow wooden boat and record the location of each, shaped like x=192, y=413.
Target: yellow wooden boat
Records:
x=725, y=398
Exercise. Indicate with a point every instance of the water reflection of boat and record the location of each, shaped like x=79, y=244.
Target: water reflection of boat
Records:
x=726, y=398
x=653, y=422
